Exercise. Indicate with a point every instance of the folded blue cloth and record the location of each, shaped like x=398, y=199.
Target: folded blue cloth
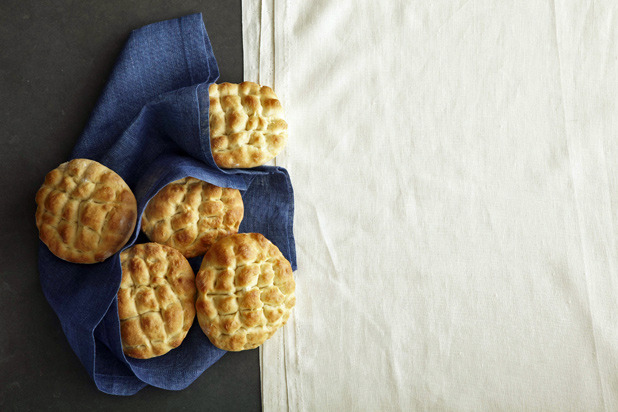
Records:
x=151, y=126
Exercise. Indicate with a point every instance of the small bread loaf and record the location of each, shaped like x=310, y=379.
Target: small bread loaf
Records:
x=85, y=211
x=245, y=291
x=190, y=215
x=156, y=300
x=247, y=128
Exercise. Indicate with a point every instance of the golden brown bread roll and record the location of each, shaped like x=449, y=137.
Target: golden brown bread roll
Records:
x=247, y=128
x=190, y=215
x=245, y=291
x=156, y=300
x=85, y=211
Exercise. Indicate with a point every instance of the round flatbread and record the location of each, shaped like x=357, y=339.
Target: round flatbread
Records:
x=156, y=300
x=245, y=291
x=190, y=215
x=85, y=211
x=247, y=128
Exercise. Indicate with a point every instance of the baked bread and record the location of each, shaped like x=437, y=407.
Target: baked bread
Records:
x=85, y=211
x=156, y=300
x=190, y=215
x=245, y=291
x=247, y=128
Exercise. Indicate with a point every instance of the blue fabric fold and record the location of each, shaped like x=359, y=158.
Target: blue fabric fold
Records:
x=151, y=127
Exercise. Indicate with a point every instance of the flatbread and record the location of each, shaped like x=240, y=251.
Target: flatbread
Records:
x=155, y=301
x=245, y=291
x=247, y=126
x=85, y=211
x=190, y=215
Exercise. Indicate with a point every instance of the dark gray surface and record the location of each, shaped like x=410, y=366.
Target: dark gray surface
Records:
x=55, y=57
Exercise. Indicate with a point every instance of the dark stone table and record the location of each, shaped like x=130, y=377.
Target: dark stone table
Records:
x=55, y=57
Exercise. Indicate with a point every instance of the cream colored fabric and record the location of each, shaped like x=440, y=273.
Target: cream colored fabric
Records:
x=455, y=166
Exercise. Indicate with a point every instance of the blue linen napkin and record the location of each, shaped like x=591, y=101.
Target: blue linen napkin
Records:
x=151, y=127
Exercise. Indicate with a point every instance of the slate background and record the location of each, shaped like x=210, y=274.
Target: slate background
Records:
x=55, y=57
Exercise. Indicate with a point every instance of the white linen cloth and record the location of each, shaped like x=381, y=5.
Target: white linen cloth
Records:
x=455, y=173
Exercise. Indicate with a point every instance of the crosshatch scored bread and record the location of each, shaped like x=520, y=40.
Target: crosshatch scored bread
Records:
x=245, y=291
x=247, y=128
x=85, y=211
x=190, y=215
x=156, y=300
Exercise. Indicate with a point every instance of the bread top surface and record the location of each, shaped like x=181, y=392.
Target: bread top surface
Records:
x=156, y=300
x=85, y=211
x=190, y=215
x=245, y=291
x=247, y=126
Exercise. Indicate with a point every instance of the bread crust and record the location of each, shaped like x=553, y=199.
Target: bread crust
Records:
x=85, y=211
x=245, y=291
x=247, y=126
x=156, y=300
x=190, y=215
